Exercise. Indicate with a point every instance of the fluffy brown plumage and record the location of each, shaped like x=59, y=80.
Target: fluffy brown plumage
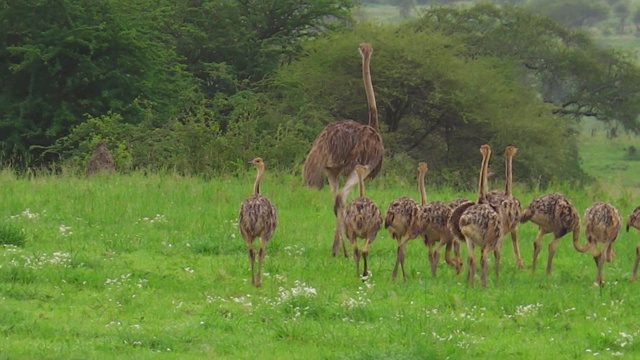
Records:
x=399, y=217
x=457, y=202
x=634, y=221
x=431, y=224
x=362, y=220
x=602, y=225
x=343, y=144
x=101, y=160
x=479, y=224
x=509, y=203
x=553, y=213
x=257, y=218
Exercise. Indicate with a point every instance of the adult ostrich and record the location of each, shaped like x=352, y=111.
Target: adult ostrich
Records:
x=342, y=145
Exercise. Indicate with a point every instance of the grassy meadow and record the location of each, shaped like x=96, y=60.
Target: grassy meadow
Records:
x=135, y=266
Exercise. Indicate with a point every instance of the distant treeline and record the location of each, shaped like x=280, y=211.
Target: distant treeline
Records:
x=201, y=87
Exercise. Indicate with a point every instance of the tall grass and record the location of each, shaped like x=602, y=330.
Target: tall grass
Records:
x=138, y=266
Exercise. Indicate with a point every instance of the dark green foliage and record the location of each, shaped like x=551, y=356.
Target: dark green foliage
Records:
x=161, y=66
x=77, y=147
x=229, y=44
x=11, y=235
x=194, y=142
x=64, y=59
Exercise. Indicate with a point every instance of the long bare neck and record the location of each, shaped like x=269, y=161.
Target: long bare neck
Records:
x=482, y=180
x=423, y=193
x=256, y=185
x=368, y=89
x=361, y=184
x=508, y=170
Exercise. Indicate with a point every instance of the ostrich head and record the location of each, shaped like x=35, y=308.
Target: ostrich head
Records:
x=510, y=151
x=365, y=49
x=257, y=162
x=485, y=150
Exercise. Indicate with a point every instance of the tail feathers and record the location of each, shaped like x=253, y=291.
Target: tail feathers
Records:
x=313, y=171
x=628, y=226
x=388, y=219
x=454, y=219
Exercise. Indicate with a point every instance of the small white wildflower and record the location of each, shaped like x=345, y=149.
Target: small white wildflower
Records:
x=26, y=214
x=64, y=230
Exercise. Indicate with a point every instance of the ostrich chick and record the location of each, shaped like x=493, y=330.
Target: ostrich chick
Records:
x=513, y=209
x=362, y=220
x=602, y=225
x=431, y=223
x=553, y=213
x=399, y=217
x=479, y=224
x=257, y=218
x=634, y=221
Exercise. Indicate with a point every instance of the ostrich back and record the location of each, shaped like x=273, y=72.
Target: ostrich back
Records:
x=481, y=223
x=341, y=146
x=553, y=213
x=400, y=216
x=511, y=207
x=432, y=221
x=258, y=218
x=457, y=202
x=602, y=222
x=362, y=219
x=435, y=215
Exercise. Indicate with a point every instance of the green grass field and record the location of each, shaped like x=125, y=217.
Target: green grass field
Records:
x=133, y=266
x=611, y=162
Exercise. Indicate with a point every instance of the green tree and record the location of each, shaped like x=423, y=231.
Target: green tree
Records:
x=622, y=11
x=566, y=67
x=636, y=20
x=228, y=45
x=404, y=7
x=62, y=59
x=435, y=104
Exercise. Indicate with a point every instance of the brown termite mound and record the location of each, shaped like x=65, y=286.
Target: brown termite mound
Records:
x=100, y=161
